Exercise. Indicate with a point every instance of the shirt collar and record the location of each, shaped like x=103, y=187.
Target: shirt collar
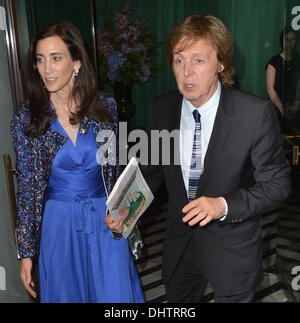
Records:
x=208, y=107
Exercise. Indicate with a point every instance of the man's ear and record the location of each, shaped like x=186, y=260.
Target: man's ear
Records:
x=220, y=68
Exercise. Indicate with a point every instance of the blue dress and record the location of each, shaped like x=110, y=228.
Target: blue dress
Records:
x=79, y=260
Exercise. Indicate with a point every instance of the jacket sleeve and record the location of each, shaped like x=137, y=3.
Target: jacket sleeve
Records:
x=25, y=182
x=271, y=172
x=114, y=109
x=116, y=169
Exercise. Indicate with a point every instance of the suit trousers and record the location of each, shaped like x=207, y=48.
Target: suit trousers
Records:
x=189, y=281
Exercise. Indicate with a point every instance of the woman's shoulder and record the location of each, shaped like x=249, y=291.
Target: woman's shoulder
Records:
x=19, y=123
x=110, y=102
x=276, y=61
x=105, y=97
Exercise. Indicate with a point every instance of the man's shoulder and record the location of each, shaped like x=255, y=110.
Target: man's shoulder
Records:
x=167, y=99
x=248, y=106
x=243, y=97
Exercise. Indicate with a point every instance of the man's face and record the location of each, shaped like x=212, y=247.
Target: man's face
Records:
x=196, y=69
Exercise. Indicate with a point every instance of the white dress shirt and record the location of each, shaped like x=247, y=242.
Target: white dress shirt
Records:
x=208, y=113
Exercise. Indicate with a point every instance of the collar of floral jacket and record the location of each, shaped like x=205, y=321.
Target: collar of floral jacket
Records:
x=45, y=149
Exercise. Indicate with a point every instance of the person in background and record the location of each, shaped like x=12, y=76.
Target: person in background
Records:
x=62, y=190
x=282, y=76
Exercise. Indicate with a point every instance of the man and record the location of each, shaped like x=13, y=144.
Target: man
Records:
x=232, y=167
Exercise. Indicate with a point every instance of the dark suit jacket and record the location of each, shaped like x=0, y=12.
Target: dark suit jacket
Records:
x=245, y=164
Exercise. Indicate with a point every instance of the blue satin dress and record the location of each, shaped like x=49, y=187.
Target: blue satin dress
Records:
x=79, y=261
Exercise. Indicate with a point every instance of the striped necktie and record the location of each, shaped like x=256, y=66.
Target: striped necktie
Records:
x=196, y=162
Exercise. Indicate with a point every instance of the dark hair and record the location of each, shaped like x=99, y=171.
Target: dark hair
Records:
x=205, y=26
x=284, y=32
x=84, y=90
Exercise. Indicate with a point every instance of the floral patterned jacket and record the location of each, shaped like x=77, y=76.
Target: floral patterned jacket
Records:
x=33, y=167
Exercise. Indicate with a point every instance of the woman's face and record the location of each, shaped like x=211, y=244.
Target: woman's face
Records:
x=55, y=65
x=289, y=41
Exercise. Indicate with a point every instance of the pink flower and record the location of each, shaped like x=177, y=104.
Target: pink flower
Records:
x=126, y=49
x=124, y=35
x=127, y=10
x=102, y=43
x=121, y=21
x=139, y=47
x=123, y=39
x=133, y=29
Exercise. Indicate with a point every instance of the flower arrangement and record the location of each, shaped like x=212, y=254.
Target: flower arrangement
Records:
x=126, y=49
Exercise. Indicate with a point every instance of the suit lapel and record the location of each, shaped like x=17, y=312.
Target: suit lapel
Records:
x=175, y=113
x=174, y=124
x=218, y=137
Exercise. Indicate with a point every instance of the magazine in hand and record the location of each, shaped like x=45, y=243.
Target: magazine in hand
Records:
x=130, y=197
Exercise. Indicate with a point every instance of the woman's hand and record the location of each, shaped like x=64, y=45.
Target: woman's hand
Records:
x=114, y=226
x=25, y=273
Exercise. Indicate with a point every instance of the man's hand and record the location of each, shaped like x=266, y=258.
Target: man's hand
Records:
x=203, y=210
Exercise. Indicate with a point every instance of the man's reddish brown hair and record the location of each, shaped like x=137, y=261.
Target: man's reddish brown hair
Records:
x=196, y=27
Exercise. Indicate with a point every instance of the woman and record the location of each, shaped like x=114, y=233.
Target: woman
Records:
x=62, y=190
x=282, y=73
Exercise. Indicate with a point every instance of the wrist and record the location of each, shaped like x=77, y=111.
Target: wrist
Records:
x=116, y=235
x=223, y=206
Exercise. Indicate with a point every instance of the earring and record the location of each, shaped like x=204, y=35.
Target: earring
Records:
x=76, y=72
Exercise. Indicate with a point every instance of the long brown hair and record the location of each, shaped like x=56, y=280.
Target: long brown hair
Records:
x=84, y=90
x=205, y=26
